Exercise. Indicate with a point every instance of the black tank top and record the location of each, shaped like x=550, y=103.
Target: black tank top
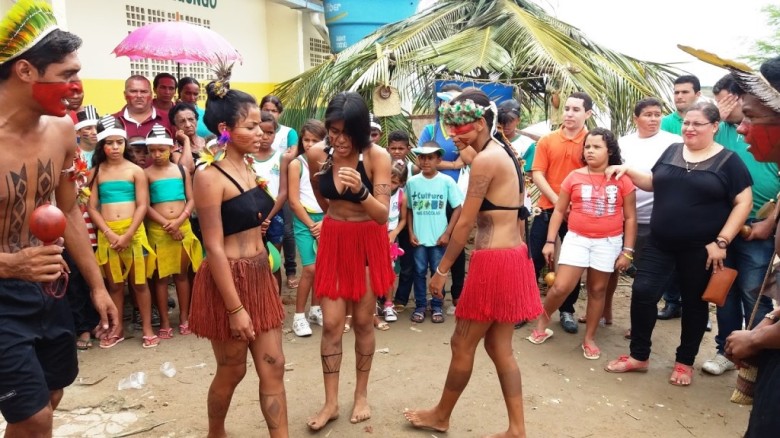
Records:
x=328, y=185
x=240, y=213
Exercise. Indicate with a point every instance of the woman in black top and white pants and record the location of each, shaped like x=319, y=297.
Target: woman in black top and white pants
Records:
x=702, y=197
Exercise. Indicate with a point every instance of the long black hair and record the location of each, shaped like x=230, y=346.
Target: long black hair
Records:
x=352, y=109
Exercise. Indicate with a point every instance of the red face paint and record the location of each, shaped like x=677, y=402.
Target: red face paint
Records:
x=460, y=129
x=762, y=140
x=51, y=96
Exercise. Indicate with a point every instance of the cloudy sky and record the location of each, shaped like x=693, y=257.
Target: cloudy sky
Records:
x=728, y=31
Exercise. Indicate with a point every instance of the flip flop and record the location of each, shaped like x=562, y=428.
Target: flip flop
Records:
x=381, y=325
x=602, y=321
x=591, y=352
x=681, y=370
x=623, y=365
x=165, y=333
x=111, y=341
x=184, y=329
x=540, y=338
x=292, y=282
x=150, y=341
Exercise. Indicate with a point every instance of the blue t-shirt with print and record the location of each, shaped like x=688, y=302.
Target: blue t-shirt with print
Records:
x=428, y=199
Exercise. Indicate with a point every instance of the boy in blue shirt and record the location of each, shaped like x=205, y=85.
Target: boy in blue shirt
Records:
x=428, y=194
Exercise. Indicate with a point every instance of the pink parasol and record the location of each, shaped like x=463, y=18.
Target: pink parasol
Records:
x=177, y=41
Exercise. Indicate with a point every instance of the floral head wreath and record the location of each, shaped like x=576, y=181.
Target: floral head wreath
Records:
x=461, y=113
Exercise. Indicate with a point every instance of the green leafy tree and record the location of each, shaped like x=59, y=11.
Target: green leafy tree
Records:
x=769, y=48
x=508, y=41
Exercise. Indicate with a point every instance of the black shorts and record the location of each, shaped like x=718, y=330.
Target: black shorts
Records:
x=37, y=348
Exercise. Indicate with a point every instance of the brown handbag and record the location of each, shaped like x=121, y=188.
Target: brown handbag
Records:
x=719, y=286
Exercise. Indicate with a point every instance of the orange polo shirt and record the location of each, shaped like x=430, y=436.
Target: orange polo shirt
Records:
x=556, y=156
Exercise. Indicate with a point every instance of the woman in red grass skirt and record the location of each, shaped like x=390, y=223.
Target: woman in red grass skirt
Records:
x=501, y=287
x=354, y=177
x=235, y=298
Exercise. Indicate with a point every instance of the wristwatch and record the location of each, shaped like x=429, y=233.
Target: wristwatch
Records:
x=722, y=244
x=771, y=317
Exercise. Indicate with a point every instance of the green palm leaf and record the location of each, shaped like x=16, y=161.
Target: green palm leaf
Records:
x=508, y=41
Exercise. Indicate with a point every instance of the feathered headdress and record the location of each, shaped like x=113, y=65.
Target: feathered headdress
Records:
x=25, y=24
x=88, y=116
x=222, y=83
x=751, y=81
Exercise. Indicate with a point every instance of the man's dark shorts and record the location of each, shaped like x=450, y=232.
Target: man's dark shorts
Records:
x=37, y=348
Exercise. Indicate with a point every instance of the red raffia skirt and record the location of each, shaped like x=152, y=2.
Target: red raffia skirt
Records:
x=344, y=251
x=256, y=287
x=500, y=286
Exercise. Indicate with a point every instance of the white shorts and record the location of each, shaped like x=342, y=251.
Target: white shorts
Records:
x=584, y=252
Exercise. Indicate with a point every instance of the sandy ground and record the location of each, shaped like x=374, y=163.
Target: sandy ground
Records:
x=565, y=394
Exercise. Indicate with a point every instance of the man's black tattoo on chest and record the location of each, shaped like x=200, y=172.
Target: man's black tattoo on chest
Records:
x=17, y=186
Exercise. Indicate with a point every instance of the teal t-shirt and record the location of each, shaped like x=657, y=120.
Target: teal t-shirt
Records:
x=428, y=199
x=672, y=123
x=766, y=183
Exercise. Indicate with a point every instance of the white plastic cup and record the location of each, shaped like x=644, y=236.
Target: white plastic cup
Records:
x=168, y=369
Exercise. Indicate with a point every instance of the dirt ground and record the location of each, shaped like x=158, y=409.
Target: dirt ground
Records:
x=565, y=394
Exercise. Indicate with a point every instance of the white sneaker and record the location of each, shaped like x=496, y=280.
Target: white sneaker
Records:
x=301, y=327
x=718, y=365
x=390, y=315
x=451, y=310
x=315, y=316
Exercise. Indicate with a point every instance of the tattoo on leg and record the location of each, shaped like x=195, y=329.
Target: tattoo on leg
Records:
x=478, y=186
x=273, y=407
x=331, y=363
x=462, y=328
x=363, y=361
x=382, y=190
x=268, y=359
x=484, y=231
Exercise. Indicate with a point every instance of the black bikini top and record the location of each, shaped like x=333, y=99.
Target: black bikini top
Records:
x=240, y=213
x=328, y=185
x=522, y=211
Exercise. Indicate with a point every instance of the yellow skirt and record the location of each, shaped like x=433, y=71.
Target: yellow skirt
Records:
x=121, y=262
x=168, y=250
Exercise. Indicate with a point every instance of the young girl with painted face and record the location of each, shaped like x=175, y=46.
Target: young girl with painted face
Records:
x=602, y=232
x=117, y=205
x=307, y=221
x=170, y=233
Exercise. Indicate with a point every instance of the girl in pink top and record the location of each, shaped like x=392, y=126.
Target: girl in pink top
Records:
x=599, y=212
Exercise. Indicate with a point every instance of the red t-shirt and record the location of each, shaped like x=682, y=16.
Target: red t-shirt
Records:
x=596, y=204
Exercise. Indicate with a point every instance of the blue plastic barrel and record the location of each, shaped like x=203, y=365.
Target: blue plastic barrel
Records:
x=349, y=21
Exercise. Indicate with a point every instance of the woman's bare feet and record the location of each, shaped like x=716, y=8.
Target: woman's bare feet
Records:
x=506, y=434
x=427, y=419
x=361, y=411
x=323, y=417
